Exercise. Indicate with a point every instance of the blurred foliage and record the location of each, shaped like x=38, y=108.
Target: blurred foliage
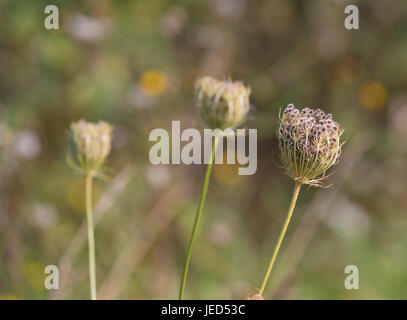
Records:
x=133, y=63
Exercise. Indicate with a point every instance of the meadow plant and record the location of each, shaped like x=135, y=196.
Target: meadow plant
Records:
x=309, y=143
x=89, y=146
x=222, y=105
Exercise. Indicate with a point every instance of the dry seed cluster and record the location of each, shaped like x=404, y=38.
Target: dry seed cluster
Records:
x=309, y=142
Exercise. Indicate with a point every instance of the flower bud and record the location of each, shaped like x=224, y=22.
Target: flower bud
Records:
x=222, y=104
x=90, y=144
x=309, y=142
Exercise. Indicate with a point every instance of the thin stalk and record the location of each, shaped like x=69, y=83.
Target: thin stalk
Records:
x=91, y=237
x=296, y=191
x=198, y=216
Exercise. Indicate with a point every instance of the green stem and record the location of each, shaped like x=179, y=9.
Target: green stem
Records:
x=198, y=216
x=91, y=237
x=281, y=237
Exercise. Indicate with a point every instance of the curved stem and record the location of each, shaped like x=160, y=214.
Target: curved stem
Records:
x=198, y=217
x=91, y=237
x=281, y=237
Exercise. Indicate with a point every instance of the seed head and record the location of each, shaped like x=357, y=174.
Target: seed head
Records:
x=222, y=104
x=90, y=144
x=309, y=142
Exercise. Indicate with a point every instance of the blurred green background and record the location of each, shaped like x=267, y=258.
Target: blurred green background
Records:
x=133, y=64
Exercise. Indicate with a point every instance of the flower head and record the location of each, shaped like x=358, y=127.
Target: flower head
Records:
x=90, y=144
x=309, y=142
x=222, y=104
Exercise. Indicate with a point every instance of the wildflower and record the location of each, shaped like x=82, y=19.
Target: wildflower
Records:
x=222, y=104
x=309, y=141
x=153, y=82
x=90, y=144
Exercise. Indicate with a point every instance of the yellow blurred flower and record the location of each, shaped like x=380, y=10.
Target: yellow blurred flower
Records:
x=153, y=82
x=373, y=95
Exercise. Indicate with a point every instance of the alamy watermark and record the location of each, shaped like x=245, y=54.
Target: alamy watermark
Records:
x=52, y=20
x=51, y=282
x=352, y=20
x=164, y=152
x=352, y=280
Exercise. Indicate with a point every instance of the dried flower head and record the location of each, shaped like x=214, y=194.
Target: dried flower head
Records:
x=90, y=144
x=222, y=104
x=309, y=142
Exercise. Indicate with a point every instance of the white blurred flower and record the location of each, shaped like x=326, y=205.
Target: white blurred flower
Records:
x=88, y=29
x=26, y=144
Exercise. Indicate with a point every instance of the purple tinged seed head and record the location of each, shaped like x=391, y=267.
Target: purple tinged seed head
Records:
x=309, y=142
